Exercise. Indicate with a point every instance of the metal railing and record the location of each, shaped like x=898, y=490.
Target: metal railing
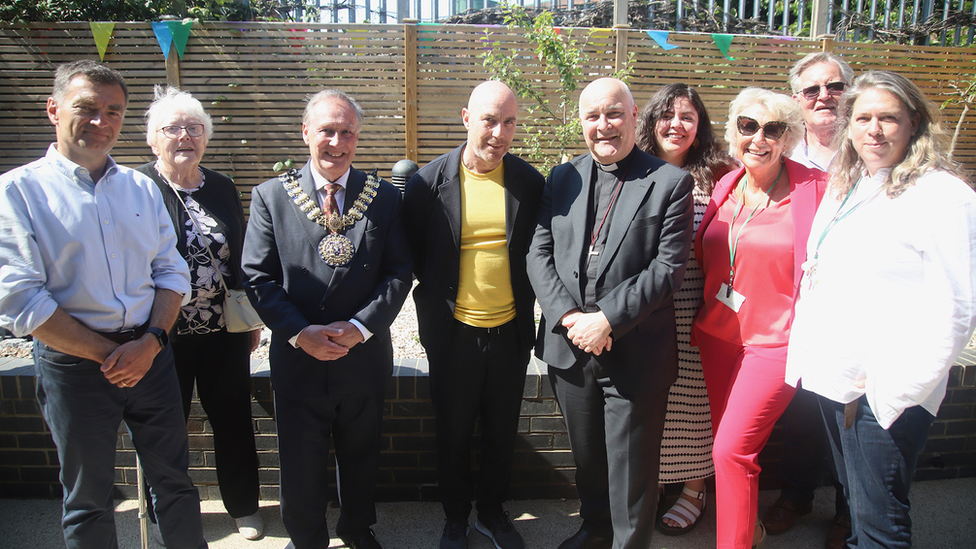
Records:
x=929, y=22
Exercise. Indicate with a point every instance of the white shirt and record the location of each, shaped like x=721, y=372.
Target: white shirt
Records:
x=99, y=250
x=894, y=298
x=801, y=154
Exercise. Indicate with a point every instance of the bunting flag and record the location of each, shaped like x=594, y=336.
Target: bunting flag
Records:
x=172, y=32
x=102, y=32
x=661, y=37
x=723, y=41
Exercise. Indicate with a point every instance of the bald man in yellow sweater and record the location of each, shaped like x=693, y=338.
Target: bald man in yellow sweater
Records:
x=470, y=214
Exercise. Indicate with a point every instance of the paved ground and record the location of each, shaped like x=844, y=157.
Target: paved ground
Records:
x=944, y=513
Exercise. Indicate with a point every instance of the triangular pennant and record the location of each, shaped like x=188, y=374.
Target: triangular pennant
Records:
x=723, y=41
x=163, y=36
x=103, y=34
x=661, y=37
x=181, y=33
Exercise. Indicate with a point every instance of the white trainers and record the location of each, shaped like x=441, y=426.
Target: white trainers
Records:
x=251, y=526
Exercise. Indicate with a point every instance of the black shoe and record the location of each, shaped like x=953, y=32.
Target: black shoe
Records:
x=366, y=541
x=500, y=531
x=455, y=535
x=585, y=540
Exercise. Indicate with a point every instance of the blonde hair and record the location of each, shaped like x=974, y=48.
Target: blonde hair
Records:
x=782, y=108
x=927, y=150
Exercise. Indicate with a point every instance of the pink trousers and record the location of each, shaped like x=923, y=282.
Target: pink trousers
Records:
x=747, y=394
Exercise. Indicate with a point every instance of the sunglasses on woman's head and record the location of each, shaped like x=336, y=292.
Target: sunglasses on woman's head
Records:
x=748, y=128
x=813, y=92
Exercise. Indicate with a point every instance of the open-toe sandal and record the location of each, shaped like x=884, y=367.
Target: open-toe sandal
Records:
x=684, y=513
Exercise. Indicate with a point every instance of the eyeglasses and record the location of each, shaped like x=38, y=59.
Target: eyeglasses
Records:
x=813, y=92
x=748, y=128
x=174, y=132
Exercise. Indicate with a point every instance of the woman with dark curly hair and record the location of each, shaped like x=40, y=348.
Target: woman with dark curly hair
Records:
x=674, y=126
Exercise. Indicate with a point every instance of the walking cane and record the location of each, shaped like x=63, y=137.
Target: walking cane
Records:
x=143, y=515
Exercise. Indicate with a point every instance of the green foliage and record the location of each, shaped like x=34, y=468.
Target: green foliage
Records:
x=553, y=125
x=149, y=10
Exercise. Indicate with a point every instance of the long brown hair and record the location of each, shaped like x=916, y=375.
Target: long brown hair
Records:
x=707, y=160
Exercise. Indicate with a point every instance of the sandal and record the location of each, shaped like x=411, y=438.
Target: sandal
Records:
x=759, y=536
x=684, y=512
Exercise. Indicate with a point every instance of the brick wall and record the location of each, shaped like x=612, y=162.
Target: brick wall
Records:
x=543, y=461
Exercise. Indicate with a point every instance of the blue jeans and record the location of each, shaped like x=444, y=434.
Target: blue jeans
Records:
x=876, y=468
x=83, y=410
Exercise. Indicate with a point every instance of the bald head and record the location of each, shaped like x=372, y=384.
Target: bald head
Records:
x=609, y=118
x=490, y=119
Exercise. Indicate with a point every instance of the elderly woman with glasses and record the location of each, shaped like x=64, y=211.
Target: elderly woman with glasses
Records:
x=177, y=130
x=888, y=297
x=751, y=246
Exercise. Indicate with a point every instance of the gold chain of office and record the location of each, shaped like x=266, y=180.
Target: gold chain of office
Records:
x=335, y=249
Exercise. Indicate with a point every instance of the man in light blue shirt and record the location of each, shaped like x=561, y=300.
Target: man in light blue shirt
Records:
x=88, y=265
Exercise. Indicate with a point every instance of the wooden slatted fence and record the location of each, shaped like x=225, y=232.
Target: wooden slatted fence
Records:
x=253, y=79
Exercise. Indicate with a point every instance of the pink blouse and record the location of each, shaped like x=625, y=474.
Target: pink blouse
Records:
x=763, y=274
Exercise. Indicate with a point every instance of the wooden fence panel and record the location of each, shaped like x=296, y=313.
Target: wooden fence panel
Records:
x=253, y=79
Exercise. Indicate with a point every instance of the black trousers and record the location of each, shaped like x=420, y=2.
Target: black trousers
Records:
x=805, y=451
x=220, y=363
x=616, y=444
x=482, y=375
x=304, y=429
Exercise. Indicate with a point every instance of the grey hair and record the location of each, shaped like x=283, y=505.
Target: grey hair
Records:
x=846, y=72
x=95, y=72
x=782, y=108
x=333, y=93
x=169, y=100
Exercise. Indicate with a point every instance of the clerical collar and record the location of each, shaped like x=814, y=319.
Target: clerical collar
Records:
x=620, y=166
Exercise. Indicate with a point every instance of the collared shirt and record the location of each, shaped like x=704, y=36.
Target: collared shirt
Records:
x=894, y=295
x=321, y=182
x=801, y=153
x=99, y=250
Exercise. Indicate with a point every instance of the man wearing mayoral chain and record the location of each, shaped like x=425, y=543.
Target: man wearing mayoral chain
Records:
x=328, y=284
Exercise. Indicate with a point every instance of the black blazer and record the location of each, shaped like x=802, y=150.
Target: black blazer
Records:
x=642, y=265
x=221, y=198
x=291, y=287
x=432, y=202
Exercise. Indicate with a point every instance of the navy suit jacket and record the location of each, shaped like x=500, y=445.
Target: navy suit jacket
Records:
x=432, y=204
x=642, y=265
x=292, y=287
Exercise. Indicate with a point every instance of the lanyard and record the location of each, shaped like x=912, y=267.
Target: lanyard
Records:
x=839, y=216
x=613, y=198
x=734, y=244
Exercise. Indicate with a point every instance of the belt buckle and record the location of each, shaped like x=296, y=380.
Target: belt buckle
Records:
x=128, y=335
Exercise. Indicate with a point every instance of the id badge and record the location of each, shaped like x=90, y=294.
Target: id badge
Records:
x=731, y=299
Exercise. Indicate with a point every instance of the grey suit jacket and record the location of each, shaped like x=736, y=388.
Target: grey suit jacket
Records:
x=642, y=265
x=432, y=204
x=292, y=287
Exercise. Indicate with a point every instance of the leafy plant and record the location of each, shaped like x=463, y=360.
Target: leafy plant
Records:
x=965, y=95
x=553, y=123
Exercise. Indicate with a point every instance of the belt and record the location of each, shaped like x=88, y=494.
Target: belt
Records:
x=125, y=336
x=850, y=413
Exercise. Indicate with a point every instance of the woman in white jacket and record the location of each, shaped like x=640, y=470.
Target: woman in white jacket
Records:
x=888, y=297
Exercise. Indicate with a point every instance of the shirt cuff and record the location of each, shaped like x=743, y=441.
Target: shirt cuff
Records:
x=362, y=329
x=293, y=340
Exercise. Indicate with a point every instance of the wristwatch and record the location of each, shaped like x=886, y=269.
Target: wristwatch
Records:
x=161, y=336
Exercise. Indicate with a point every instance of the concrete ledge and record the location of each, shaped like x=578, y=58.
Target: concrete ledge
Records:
x=543, y=468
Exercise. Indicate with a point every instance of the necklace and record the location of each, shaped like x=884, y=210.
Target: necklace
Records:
x=335, y=249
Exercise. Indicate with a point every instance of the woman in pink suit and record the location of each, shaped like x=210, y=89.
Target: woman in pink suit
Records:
x=751, y=245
